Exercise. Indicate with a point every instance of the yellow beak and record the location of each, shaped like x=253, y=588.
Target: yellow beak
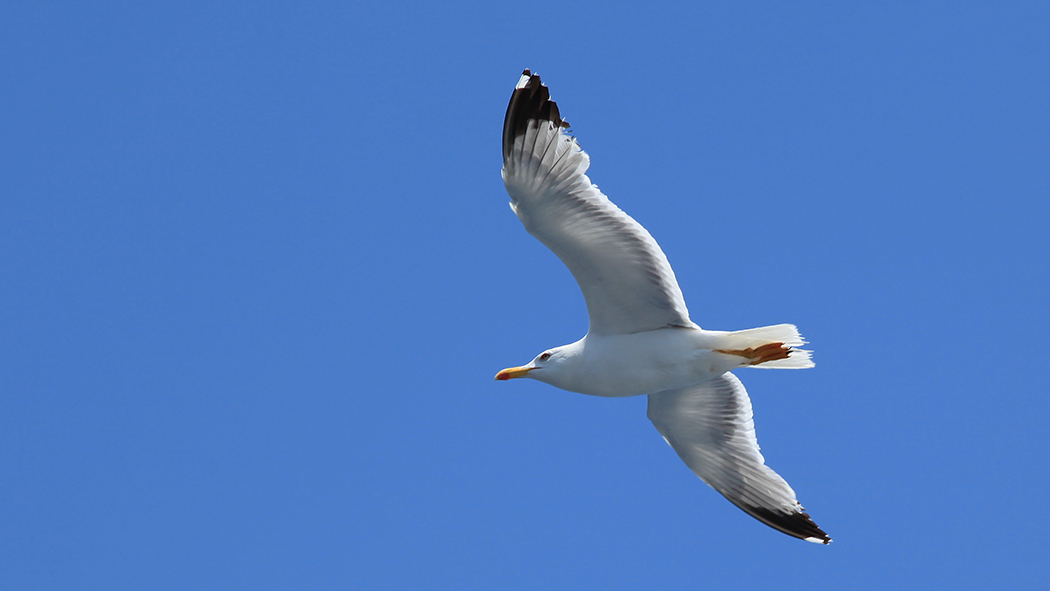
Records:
x=513, y=372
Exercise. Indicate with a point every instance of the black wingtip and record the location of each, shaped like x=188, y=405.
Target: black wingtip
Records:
x=529, y=102
x=799, y=525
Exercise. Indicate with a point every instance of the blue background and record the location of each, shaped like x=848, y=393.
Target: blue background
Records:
x=257, y=272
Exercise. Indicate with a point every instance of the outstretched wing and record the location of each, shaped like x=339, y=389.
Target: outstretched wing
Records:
x=710, y=426
x=625, y=278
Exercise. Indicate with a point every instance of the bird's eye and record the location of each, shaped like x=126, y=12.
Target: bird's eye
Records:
x=545, y=356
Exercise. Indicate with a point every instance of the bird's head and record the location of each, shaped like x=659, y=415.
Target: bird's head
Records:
x=544, y=367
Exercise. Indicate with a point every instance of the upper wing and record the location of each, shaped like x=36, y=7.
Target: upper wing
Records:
x=711, y=428
x=625, y=278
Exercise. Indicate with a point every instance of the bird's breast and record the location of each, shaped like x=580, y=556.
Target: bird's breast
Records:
x=645, y=363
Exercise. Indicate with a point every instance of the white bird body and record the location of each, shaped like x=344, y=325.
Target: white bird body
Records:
x=641, y=363
x=641, y=340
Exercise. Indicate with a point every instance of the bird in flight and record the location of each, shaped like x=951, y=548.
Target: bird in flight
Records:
x=640, y=340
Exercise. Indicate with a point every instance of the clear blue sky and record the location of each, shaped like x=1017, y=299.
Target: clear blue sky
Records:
x=257, y=272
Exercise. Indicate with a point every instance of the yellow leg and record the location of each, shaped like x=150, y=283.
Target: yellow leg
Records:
x=757, y=355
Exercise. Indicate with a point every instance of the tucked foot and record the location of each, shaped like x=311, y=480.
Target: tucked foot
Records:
x=757, y=355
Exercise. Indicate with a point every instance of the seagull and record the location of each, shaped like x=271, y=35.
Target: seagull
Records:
x=640, y=341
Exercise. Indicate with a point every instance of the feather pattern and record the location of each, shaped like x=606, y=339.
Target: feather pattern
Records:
x=710, y=426
x=624, y=275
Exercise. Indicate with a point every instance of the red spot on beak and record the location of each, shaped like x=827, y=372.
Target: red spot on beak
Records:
x=513, y=372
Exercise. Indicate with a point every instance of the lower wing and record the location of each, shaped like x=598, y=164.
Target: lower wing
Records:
x=710, y=426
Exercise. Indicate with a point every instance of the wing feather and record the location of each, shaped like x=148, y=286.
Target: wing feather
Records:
x=626, y=280
x=711, y=428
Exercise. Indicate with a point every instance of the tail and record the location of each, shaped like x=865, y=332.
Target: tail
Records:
x=773, y=347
